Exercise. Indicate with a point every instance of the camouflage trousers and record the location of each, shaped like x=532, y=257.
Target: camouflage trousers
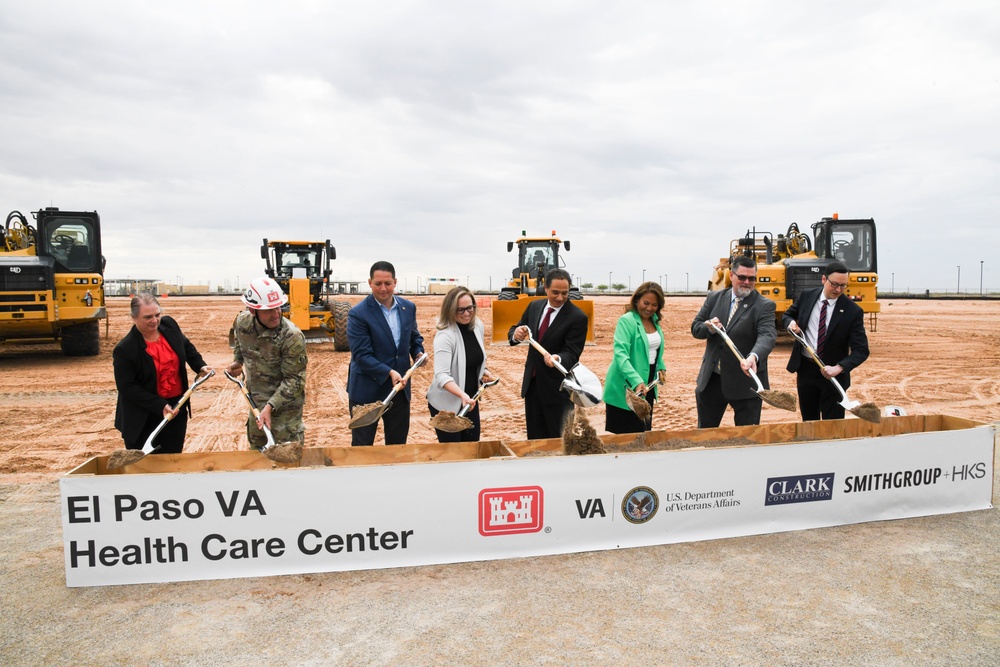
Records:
x=285, y=427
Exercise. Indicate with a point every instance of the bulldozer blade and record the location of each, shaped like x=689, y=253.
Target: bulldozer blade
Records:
x=508, y=313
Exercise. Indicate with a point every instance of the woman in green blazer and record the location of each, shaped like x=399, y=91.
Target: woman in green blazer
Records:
x=637, y=359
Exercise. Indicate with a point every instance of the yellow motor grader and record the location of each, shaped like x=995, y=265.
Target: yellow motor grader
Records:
x=536, y=256
x=302, y=268
x=793, y=262
x=52, y=280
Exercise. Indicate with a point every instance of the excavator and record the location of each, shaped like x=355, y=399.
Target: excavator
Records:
x=302, y=268
x=536, y=256
x=793, y=262
x=52, y=280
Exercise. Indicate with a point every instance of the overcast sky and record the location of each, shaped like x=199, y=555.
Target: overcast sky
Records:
x=429, y=134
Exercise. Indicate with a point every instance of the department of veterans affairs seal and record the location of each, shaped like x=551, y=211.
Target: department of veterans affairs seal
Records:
x=640, y=504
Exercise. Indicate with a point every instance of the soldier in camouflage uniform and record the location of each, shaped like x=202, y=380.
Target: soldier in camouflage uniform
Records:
x=273, y=351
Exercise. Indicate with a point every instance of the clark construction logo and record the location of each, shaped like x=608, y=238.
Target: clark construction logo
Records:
x=510, y=510
x=799, y=489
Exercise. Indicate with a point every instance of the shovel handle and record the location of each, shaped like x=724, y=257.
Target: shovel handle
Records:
x=406, y=376
x=148, y=447
x=538, y=346
x=253, y=409
x=812, y=353
x=732, y=346
x=819, y=362
x=475, y=397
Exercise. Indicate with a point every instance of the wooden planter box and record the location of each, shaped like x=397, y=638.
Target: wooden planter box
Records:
x=311, y=457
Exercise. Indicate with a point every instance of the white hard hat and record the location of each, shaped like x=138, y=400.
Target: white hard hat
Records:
x=264, y=294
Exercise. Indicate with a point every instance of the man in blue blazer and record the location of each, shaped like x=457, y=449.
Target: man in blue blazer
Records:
x=844, y=348
x=748, y=320
x=384, y=340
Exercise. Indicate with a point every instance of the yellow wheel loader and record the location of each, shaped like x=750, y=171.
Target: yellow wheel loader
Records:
x=536, y=256
x=302, y=268
x=52, y=280
x=793, y=262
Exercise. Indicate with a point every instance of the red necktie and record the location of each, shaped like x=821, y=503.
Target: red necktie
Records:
x=545, y=322
x=821, y=330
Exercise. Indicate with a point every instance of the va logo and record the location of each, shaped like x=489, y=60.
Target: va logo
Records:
x=640, y=504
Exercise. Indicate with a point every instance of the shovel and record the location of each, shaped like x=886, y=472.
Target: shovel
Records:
x=369, y=414
x=129, y=456
x=867, y=411
x=779, y=399
x=271, y=450
x=456, y=423
x=583, y=386
x=637, y=402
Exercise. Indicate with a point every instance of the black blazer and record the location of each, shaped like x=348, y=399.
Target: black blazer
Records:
x=135, y=377
x=846, y=341
x=565, y=337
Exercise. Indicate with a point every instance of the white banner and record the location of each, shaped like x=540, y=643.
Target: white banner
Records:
x=123, y=529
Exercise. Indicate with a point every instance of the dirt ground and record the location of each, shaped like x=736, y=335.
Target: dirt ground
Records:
x=917, y=591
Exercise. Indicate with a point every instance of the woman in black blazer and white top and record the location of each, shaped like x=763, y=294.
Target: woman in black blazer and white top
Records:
x=459, y=362
x=150, y=375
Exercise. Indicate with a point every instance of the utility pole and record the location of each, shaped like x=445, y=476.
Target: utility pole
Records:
x=687, y=283
x=958, y=285
x=980, y=277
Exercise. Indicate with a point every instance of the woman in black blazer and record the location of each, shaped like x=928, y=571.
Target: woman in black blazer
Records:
x=150, y=375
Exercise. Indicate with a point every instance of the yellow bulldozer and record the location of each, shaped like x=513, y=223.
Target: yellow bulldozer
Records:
x=536, y=256
x=793, y=262
x=302, y=268
x=52, y=280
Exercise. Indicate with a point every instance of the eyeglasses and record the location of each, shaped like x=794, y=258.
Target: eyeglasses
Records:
x=467, y=309
x=746, y=279
x=837, y=285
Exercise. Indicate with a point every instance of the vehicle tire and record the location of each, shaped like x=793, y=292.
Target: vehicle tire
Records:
x=575, y=295
x=81, y=340
x=507, y=296
x=340, y=311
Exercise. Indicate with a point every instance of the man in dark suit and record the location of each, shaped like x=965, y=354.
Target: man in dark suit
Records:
x=561, y=328
x=748, y=319
x=834, y=326
x=383, y=336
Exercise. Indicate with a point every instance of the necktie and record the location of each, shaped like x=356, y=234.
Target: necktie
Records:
x=821, y=330
x=545, y=322
x=732, y=310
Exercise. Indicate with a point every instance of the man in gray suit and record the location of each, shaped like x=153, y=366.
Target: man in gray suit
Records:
x=748, y=319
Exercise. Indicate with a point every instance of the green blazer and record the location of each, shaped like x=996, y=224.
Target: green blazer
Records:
x=630, y=361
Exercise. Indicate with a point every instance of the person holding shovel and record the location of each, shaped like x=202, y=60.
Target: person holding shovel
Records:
x=459, y=363
x=561, y=328
x=636, y=362
x=834, y=326
x=271, y=353
x=748, y=319
x=383, y=337
x=150, y=376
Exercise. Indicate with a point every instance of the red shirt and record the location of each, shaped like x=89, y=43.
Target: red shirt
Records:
x=168, y=376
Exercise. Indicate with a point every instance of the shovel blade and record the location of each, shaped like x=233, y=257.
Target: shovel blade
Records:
x=370, y=417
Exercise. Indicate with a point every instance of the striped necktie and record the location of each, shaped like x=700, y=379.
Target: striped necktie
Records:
x=821, y=329
x=732, y=310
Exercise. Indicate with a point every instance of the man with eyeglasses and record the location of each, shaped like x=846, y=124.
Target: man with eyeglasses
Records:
x=561, y=328
x=834, y=326
x=748, y=319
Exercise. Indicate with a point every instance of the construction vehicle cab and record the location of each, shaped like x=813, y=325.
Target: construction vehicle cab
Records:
x=794, y=262
x=536, y=256
x=52, y=279
x=302, y=268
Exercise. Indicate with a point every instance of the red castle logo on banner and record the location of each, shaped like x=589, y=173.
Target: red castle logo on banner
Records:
x=510, y=510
